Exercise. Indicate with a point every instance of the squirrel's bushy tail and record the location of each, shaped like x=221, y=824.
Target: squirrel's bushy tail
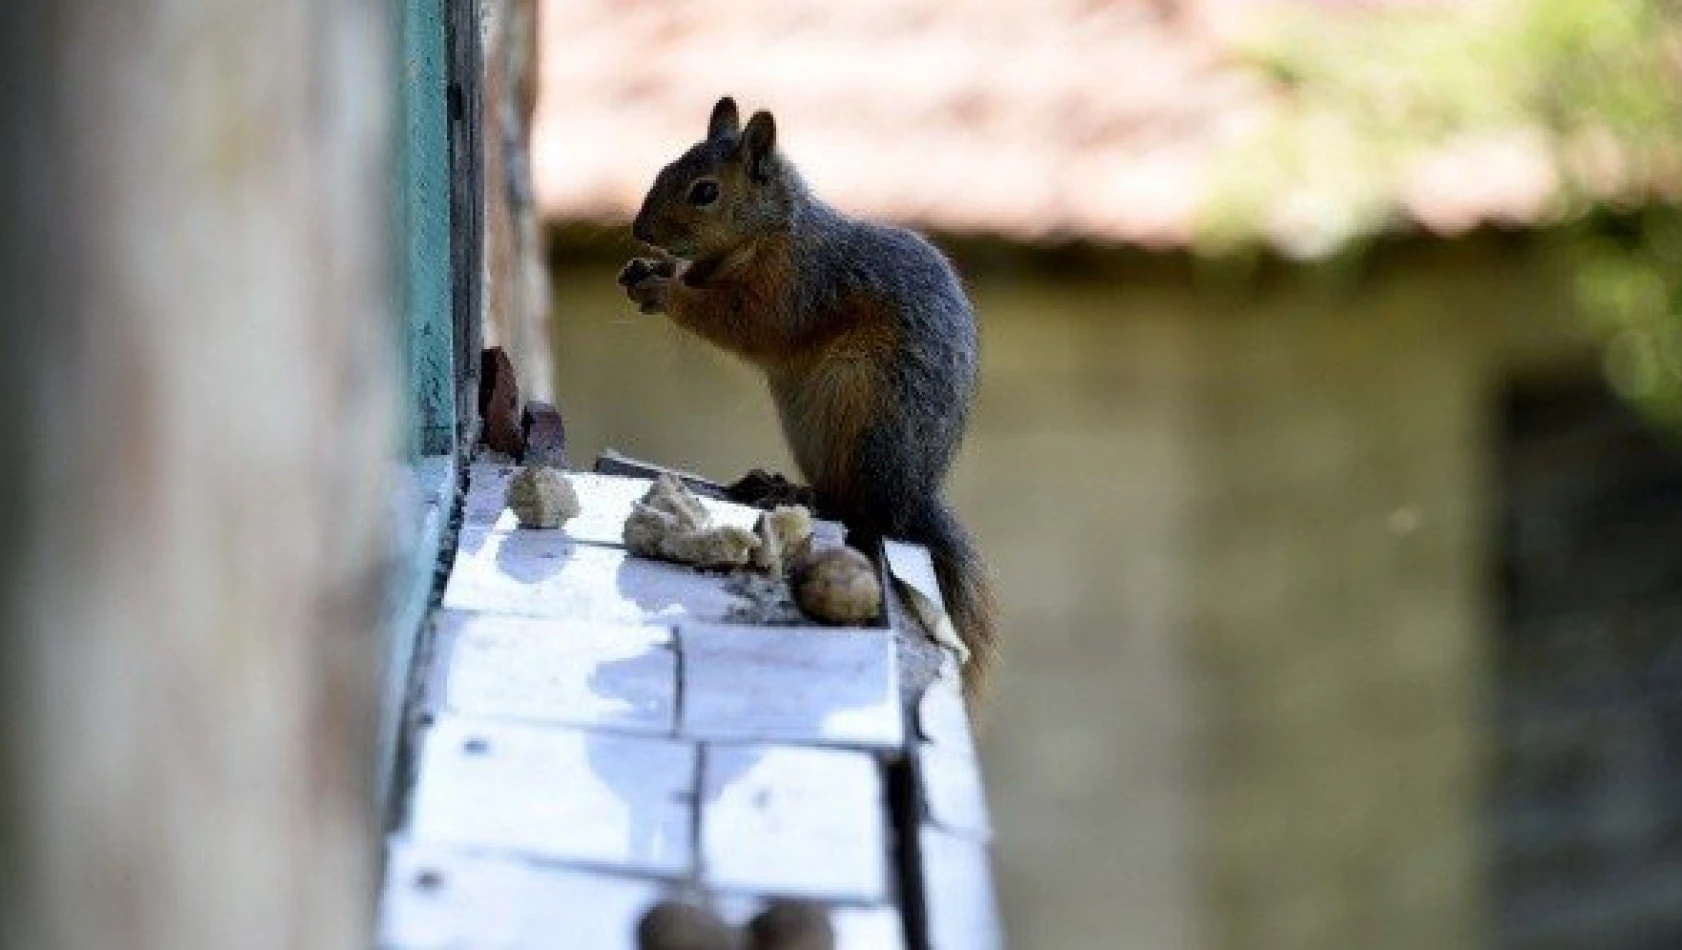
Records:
x=967, y=585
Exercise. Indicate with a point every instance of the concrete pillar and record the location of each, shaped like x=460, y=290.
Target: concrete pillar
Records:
x=203, y=411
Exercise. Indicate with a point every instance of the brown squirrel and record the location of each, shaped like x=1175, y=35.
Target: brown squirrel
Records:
x=863, y=332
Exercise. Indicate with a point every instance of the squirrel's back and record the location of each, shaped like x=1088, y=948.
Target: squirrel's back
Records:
x=926, y=383
x=909, y=302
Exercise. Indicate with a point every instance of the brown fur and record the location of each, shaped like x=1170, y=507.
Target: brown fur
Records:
x=975, y=612
x=825, y=369
x=863, y=333
x=826, y=396
x=740, y=308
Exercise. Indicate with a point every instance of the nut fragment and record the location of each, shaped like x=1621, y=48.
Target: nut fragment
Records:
x=789, y=924
x=837, y=585
x=541, y=497
x=670, y=523
x=784, y=534
x=675, y=925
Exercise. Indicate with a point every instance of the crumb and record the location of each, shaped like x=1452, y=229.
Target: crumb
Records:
x=541, y=497
x=766, y=600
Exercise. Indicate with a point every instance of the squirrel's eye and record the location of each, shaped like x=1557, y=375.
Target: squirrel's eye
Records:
x=703, y=192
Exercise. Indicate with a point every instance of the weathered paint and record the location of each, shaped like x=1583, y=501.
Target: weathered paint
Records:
x=550, y=743
x=465, y=80
x=431, y=339
x=424, y=168
x=426, y=488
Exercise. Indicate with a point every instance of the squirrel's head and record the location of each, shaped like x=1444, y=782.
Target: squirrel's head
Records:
x=728, y=189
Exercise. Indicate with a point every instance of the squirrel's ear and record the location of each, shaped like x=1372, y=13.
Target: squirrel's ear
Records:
x=725, y=120
x=757, y=141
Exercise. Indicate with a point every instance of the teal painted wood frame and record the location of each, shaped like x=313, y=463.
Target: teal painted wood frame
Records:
x=438, y=326
x=424, y=176
x=426, y=493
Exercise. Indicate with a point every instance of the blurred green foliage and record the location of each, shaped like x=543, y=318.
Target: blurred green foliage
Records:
x=1591, y=89
x=1628, y=283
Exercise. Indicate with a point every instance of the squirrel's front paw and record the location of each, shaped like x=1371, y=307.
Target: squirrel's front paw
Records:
x=648, y=282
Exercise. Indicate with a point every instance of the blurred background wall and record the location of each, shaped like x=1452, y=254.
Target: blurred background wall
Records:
x=1326, y=444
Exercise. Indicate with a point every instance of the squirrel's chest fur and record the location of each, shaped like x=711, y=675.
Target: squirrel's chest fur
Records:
x=827, y=395
x=865, y=340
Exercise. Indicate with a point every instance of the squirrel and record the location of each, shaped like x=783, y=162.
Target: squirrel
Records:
x=864, y=334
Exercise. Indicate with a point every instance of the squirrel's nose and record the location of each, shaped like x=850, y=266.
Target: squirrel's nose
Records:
x=641, y=230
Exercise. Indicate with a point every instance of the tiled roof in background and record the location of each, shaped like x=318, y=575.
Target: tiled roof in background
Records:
x=1114, y=121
